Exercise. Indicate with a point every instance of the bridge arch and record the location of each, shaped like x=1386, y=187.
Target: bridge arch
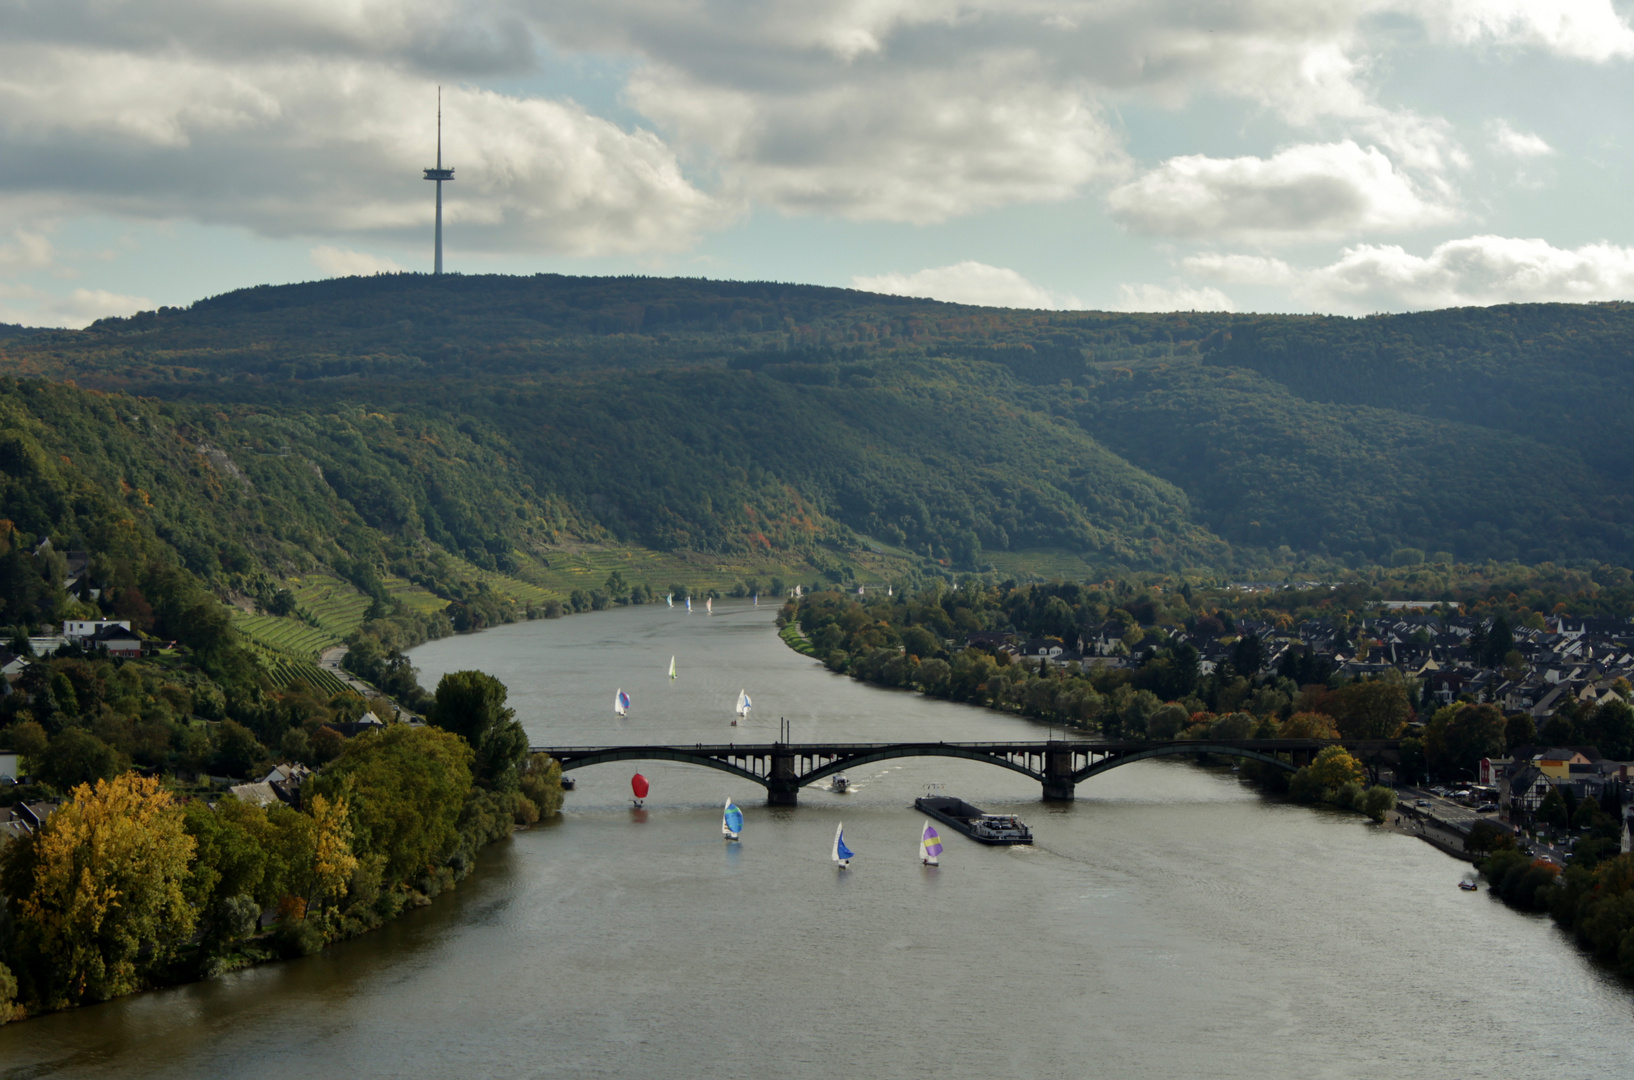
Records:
x=1171, y=749
x=886, y=753
x=660, y=753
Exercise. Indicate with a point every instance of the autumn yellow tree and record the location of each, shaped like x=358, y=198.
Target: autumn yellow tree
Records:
x=1334, y=767
x=332, y=858
x=106, y=902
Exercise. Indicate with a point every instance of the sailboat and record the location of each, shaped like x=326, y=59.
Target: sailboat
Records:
x=842, y=854
x=638, y=786
x=669, y=598
x=757, y=599
x=709, y=605
x=742, y=710
x=689, y=605
x=621, y=702
x=930, y=846
x=672, y=669
x=731, y=821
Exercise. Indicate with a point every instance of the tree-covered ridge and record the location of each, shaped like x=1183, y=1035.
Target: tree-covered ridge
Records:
x=731, y=417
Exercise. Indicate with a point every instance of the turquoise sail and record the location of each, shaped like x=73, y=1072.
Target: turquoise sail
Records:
x=732, y=819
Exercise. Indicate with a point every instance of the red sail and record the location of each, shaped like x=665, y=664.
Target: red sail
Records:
x=638, y=784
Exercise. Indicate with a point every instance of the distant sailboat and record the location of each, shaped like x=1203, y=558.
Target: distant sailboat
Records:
x=930, y=846
x=621, y=702
x=709, y=605
x=731, y=821
x=638, y=785
x=672, y=669
x=842, y=854
x=742, y=711
x=669, y=599
x=689, y=604
x=757, y=599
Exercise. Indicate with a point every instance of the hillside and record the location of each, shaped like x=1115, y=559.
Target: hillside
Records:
x=509, y=421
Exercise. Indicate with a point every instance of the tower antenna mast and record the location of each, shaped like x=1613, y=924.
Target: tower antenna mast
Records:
x=439, y=174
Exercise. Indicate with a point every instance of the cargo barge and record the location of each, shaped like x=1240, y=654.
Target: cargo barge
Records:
x=970, y=820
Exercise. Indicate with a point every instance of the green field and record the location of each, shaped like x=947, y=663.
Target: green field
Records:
x=288, y=636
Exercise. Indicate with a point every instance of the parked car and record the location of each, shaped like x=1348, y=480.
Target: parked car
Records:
x=1487, y=808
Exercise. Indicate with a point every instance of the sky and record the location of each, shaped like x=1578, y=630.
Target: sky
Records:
x=1345, y=156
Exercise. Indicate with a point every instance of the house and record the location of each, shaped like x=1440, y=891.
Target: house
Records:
x=1527, y=790
x=257, y=794
x=10, y=764
x=286, y=781
x=11, y=663
x=78, y=630
x=117, y=640
x=1556, y=762
x=1491, y=770
x=349, y=728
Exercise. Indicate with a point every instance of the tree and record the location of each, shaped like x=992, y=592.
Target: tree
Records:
x=237, y=751
x=1586, y=814
x=1308, y=725
x=1373, y=709
x=1484, y=838
x=541, y=782
x=404, y=787
x=471, y=704
x=1334, y=767
x=1610, y=729
x=1552, y=810
x=1459, y=736
x=77, y=757
x=1377, y=801
x=1519, y=730
x=100, y=890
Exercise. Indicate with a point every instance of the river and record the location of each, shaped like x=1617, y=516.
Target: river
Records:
x=1169, y=923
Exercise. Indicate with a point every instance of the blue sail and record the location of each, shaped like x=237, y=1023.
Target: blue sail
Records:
x=840, y=850
x=733, y=819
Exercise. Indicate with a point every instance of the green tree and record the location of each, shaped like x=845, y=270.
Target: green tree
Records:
x=1458, y=736
x=471, y=704
x=1484, y=838
x=1519, y=730
x=1377, y=801
x=1373, y=709
x=405, y=787
x=541, y=783
x=77, y=757
x=1552, y=810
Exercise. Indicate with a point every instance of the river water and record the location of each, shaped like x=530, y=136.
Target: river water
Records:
x=1169, y=923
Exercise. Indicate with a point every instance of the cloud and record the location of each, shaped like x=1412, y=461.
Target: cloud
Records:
x=343, y=262
x=313, y=118
x=1516, y=143
x=1478, y=270
x=1300, y=194
x=969, y=282
x=1580, y=29
x=1238, y=269
x=1179, y=298
x=78, y=309
x=331, y=145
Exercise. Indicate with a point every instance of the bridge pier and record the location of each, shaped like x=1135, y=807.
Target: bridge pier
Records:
x=1058, y=783
x=782, y=787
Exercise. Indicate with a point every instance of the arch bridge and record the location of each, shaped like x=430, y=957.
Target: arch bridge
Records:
x=1058, y=765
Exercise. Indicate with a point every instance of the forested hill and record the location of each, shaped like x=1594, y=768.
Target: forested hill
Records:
x=738, y=417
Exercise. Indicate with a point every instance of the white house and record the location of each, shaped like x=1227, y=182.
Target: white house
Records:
x=77, y=630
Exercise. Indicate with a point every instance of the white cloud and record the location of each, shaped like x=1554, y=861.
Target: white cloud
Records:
x=1478, y=270
x=323, y=144
x=343, y=262
x=28, y=249
x=1238, y=269
x=1300, y=194
x=30, y=306
x=1581, y=29
x=969, y=282
x=1178, y=298
x=1518, y=143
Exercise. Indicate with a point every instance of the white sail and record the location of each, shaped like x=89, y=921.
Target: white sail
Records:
x=672, y=668
x=670, y=599
x=841, y=854
x=621, y=702
x=744, y=704
x=709, y=605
